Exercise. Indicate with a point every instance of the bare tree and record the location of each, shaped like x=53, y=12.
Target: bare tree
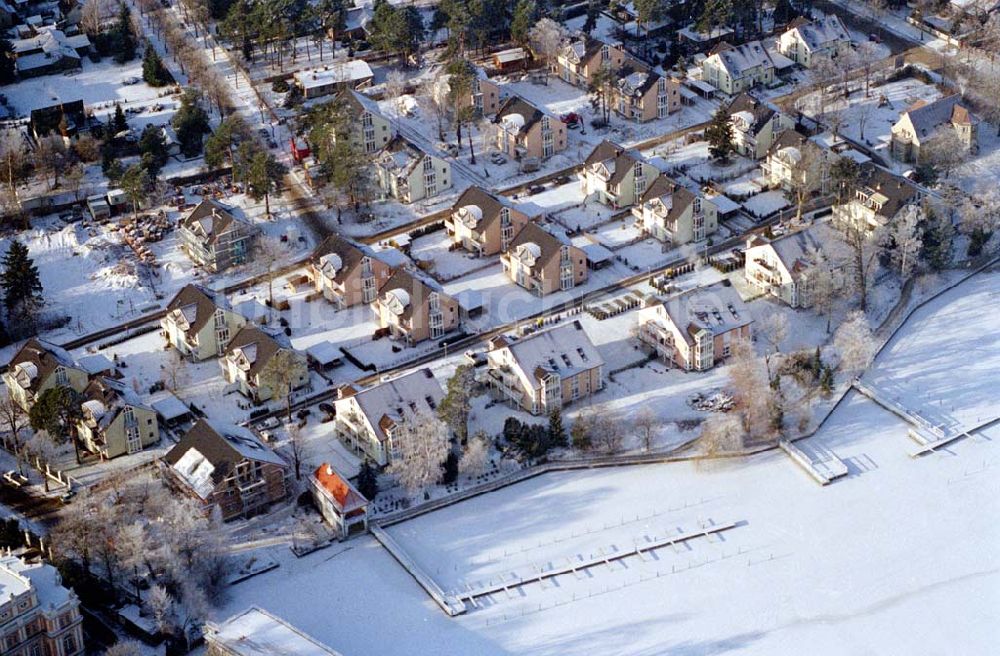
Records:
x=607, y=433
x=545, y=39
x=422, y=445
x=174, y=371
x=283, y=374
x=944, y=151
x=49, y=158
x=646, y=424
x=864, y=245
x=867, y=56
x=270, y=253
x=773, y=329
x=476, y=456
x=823, y=289
x=298, y=449
x=751, y=390
x=907, y=238
x=721, y=434
x=395, y=86
x=124, y=648
x=862, y=114
x=74, y=178
x=855, y=343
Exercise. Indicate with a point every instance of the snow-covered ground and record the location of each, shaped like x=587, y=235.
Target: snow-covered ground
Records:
x=878, y=562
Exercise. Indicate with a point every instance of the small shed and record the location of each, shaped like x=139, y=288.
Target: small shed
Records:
x=598, y=256
x=510, y=59
x=171, y=410
x=324, y=355
x=99, y=208
x=117, y=199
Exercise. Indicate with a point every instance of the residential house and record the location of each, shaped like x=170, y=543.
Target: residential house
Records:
x=484, y=223
x=578, y=61
x=805, y=41
x=642, y=95
x=545, y=370
x=616, y=176
x=332, y=78
x=755, y=125
x=371, y=131
x=696, y=329
x=543, y=260
x=256, y=632
x=114, y=421
x=38, y=614
x=368, y=419
x=340, y=504
x=215, y=238
x=783, y=267
x=405, y=172
x=674, y=214
x=483, y=96
x=346, y=272
x=263, y=366
x=732, y=69
x=49, y=51
x=923, y=121
x=413, y=308
x=226, y=467
x=524, y=131
x=66, y=119
x=795, y=161
x=38, y=366
x=199, y=323
x=876, y=199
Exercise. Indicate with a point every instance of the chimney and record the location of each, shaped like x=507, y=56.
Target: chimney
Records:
x=329, y=470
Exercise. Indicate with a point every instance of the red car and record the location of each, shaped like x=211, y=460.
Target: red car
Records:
x=570, y=119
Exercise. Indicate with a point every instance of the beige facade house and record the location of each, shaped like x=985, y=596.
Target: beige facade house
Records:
x=367, y=419
x=262, y=367
x=543, y=260
x=38, y=366
x=347, y=273
x=215, y=238
x=696, y=329
x=414, y=308
x=546, y=370
x=674, y=214
x=616, y=176
x=226, y=467
x=331, y=78
x=732, y=69
x=923, y=121
x=524, y=131
x=755, y=125
x=371, y=131
x=483, y=222
x=483, y=97
x=783, y=267
x=271, y=636
x=642, y=95
x=405, y=172
x=38, y=614
x=199, y=323
x=795, y=161
x=340, y=504
x=877, y=198
x=578, y=61
x=114, y=421
x=805, y=41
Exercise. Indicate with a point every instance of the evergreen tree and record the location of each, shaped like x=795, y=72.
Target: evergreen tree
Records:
x=449, y=468
x=826, y=380
x=119, y=123
x=719, y=135
x=785, y=12
x=153, y=148
x=135, y=182
x=123, y=39
x=7, y=68
x=396, y=29
x=56, y=411
x=525, y=17
x=22, y=286
x=817, y=364
x=367, y=481
x=716, y=14
x=265, y=176
x=454, y=408
x=557, y=433
x=590, y=22
x=153, y=71
x=191, y=124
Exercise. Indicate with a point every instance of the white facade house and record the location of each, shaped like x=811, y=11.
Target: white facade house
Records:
x=805, y=41
x=408, y=173
x=783, y=267
x=732, y=69
x=323, y=81
x=674, y=214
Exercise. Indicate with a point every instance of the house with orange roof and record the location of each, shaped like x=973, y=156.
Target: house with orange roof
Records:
x=340, y=504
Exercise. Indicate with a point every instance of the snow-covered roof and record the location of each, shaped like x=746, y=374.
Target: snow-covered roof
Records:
x=717, y=309
x=514, y=121
x=737, y=60
x=565, y=350
x=927, y=117
x=821, y=33
x=255, y=632
x=18, y=577
x=170, y=407
x=399, y=399
x=324, y=352
x=96, y=363
x=353, y=70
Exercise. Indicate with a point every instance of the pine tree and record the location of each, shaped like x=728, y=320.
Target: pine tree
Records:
x=826, y=380
x=817, y=364
x=153, y=71
x=119, y=123
x=719, y=135
x=449, y=468
x=153, y=148
x=22, y=286
x=454, y=407
x=557, y=433
x=525, y=17
x=7, y=67
x=367, y=480
x=590, y=22
x=191, y=124
x=123, y=38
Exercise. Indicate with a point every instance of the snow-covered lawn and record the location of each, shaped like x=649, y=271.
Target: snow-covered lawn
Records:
x=445, y=264
x=766, y=203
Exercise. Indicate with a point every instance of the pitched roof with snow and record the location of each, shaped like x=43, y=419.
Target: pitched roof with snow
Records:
x=480, y=207
x=675, y=197
x=105, y=397
x=717, y=309
x=410, y=289
x=36, y=360
x=255, y=347
x=890, y=191
x=752, y=112
x=338, y=256
x=194, y=306
x=927, y=117
x=565, y=350
x=255, y=632
x=210, y=220
x=615, y=160
x=519, y=113
x=737, y=60
x=542, y=242
x=395, y=401
x=820, y=33
x=353, y=70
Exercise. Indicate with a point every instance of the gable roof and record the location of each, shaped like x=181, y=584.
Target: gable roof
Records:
x=819, y=33
x=256, y=345
x=210, y=220
x=105, y=397
x=401, y=156
x=411, y=288
x=680, y=196
x=617, y=160
x=549, y=241
x=487, y=204
x=797, y=251
x=565, y=350
x=339, y=489
x=717, y=309
x=739, y=59
x=196, y=305
x=516, y=106
x=394, y=401
x=756, y=112
x=38, y=359
x=209, y=452
x=346, y=255
x=358, y=102
x=927, y=117
x=895, y=191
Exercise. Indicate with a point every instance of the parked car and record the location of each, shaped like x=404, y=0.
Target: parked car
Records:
x=571, y=119
x=498, y=158
x=129, y=81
